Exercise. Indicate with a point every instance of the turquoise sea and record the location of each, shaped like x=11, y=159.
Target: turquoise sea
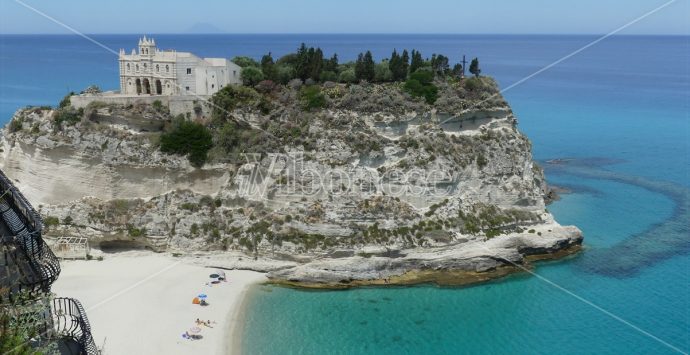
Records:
x=620, y=110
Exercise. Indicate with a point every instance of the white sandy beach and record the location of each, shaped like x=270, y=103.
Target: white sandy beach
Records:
x=141, y=303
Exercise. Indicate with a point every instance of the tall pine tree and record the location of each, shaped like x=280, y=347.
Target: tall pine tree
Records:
x=369, y=67
x=302, y=67
x=417, y=61
x=268, y=67
x=474, y=67
x=405, y=66
x=316, y=64
x=365, y=68
x=395, y=65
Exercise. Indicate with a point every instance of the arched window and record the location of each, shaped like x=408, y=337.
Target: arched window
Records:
x=137, y=67
x=144, y=66
x=167, y=68
x=157, y=68
x=127, y=66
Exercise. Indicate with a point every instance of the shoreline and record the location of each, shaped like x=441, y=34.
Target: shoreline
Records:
x=235, y=330
x=441, y=278
x=155, y=292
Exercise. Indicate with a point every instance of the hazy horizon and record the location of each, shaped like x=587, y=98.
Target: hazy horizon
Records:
x=528, y=17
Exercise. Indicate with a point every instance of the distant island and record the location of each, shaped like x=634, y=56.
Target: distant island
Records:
x=320, y=173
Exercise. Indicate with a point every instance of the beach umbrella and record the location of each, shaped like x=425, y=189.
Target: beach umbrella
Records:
x=203, y=295
x=195, y=330
x=213, y=276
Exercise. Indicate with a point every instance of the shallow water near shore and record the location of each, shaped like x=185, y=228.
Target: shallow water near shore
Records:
x=621, y=106
x=634, y=119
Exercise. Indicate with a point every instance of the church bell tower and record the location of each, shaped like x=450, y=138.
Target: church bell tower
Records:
x=147, y=47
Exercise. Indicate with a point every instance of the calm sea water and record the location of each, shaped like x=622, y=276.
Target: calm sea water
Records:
x=621, y=107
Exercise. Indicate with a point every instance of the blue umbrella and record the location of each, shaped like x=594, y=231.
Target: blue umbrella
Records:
x=203, y=295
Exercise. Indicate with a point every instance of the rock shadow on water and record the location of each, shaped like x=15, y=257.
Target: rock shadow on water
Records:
x=657, y=243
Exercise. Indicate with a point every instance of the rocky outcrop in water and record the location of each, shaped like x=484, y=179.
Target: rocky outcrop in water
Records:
x=376, y=185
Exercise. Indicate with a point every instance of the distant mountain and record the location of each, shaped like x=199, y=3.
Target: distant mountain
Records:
x=204, y=27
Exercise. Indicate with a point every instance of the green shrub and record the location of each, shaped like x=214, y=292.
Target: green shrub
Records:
x=189, y=206
x=285, y=73
x=51, y=221
x=382, y=72
x=328, y=76
x=423, y=76
x=66, y=101
x=67, y=116
x=188, y=138
x=251, y=76
x=312, y=97
x=347, y=76
x=135, y=232
x=492, y=233
x=16, y=125
x=474, y=84
x=157, y=105
x=245, y=62
x=481, y=161
x=231, y=97
x=417, y=89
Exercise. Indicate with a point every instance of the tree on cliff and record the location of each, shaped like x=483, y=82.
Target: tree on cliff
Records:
x=474, y=67
x=309, y=62
x=398, y=65
x=417, y=61
x=268, y=67
x=188, y=138
x=365, y=68
x=439, y=64
x=251, y=76
x=405, y=60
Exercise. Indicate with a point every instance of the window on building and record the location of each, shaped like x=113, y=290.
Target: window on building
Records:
x=186, y=88
x=127, y=66
x=213, y=86
x=234, y=73
x=189, y=71
x=167, y=68
x=157, y=68
x=144, y=66
x=137, y=67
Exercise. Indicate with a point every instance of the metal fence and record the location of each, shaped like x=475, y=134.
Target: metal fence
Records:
x=70, y=321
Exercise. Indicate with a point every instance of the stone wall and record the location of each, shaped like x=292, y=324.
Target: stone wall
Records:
x=177, y=104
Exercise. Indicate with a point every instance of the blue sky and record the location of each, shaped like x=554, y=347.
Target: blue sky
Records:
x=346, y=16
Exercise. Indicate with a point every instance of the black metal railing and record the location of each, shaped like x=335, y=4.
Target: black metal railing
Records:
x=27, y=213
x=30, y=267
x=22, y=243
x=69, y=320
x=25, y=247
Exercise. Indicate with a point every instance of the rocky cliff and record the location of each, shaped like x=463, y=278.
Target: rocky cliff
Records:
x=372, y=186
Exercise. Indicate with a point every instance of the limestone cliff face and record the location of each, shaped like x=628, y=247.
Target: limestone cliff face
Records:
x=360, y=182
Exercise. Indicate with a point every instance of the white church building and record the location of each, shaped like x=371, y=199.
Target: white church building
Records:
x=151, y=71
